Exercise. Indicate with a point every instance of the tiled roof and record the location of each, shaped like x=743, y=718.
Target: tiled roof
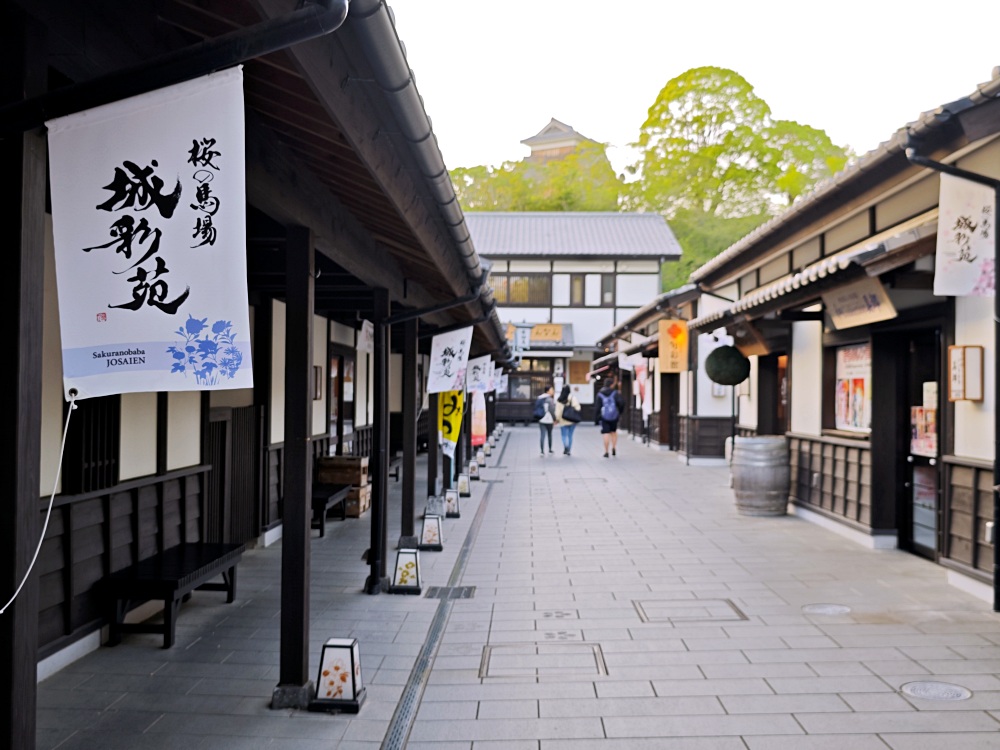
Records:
x=555, y=233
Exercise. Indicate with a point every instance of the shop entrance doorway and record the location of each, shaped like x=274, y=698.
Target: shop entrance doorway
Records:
x=921, y=511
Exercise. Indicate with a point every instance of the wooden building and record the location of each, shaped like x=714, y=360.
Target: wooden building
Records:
x=857, y=360
x=351, y=218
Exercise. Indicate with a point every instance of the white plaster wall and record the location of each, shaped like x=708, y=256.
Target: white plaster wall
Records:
x=748, y=405
x=560, y=289
x=320, y=338
x=530, y=266
x=526, y=315
x=278, y=372
x=974, y=420
x=624, y=313
x=639, y=266
x=52, y=385
x=584, y=266
x=137, y=451
x=183, y=429
x=685, y=391
x=341, y=334
x=805, y=364
x=361, y=389
x=709, y=405
x=589, y=324
x=592, y=289
x=637, y=289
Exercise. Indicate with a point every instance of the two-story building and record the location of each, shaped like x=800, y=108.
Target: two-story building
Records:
x=567, y=277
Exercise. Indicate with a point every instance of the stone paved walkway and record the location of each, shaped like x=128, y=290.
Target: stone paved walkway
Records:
x=619, y=604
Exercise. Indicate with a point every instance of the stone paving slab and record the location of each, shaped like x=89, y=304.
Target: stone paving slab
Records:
x=625, y=605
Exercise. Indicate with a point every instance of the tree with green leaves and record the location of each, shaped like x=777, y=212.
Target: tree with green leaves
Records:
x=716, y=163
x=582, y=180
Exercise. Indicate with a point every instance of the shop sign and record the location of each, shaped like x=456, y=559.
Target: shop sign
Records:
x=853, y=399
x=673, y=345
x=963, y=264
x=859, y=303
x=149, y=228
x=549, y=332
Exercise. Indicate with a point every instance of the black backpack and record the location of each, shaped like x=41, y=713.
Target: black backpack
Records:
x=540, y=408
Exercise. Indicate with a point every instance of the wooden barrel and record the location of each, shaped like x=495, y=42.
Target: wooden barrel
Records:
x=761, y=475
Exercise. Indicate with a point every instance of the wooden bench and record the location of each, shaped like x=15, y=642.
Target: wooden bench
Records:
x=171, y=576
x=324, y=497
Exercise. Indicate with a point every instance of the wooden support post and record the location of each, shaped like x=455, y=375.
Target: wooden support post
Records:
x=378, y=464
x=433, y=450
x=407, y=537
x=22, y=162
x=294, y=687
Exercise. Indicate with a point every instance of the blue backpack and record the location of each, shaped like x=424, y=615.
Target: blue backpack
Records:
x=609, y=407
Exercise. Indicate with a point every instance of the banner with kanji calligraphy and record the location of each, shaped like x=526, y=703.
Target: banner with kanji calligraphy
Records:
x=479, y=374
x=149, y=223
x=449, y=360
x=964, y=260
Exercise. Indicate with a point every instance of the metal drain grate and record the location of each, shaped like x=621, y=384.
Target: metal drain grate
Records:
x=450, y=592
x=571, y=480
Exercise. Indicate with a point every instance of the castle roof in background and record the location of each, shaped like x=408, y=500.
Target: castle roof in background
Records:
x=591, y=234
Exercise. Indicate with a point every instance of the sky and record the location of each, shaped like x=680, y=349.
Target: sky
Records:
x=493, y=73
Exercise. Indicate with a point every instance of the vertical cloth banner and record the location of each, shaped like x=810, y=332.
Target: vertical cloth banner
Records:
x=149, y=223
x=449, y=360
x=450, y=411
x=964, y=264
x=479, y=374
x=478, y=418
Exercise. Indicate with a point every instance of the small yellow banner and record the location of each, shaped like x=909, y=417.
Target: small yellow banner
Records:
x=673, y=345
x=450, y=410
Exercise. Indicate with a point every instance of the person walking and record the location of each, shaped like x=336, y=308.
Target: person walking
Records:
x=567, y=415
x=609, y=409
x=545, y=413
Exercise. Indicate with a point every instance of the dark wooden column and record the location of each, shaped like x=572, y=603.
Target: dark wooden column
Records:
x=433, y=451
x=294, y=687
x=378, y=463
x=22, y=164
x=407, y=537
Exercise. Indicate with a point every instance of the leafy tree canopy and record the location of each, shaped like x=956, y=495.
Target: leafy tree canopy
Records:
x=583, y=180
x=716, y=163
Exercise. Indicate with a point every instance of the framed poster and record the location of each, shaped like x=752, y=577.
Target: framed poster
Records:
x=853, y=398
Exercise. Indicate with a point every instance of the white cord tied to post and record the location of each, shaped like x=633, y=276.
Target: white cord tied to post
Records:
x=48, y=514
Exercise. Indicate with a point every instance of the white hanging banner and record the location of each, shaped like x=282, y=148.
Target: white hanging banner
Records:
x=449, y=359
x=149, y=223
x=964, y=265
x=366, y=337
x=478, y=376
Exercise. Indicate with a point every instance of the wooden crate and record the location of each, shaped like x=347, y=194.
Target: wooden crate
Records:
x=342, y=470
x=359, y=500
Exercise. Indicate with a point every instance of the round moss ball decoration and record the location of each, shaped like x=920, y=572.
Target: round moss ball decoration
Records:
x=726, y=366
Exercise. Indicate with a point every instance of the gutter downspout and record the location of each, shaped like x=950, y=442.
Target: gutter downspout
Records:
x=374, y=27
x=911, y=155
x=318, y=18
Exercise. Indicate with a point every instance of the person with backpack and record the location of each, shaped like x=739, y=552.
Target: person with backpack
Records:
x=545, y=415
x=609, y=409
x=567, y=415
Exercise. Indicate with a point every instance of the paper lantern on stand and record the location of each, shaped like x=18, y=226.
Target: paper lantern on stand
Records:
x=431, y=534
x=451, y=504
x=339, y=687
x=406, y=576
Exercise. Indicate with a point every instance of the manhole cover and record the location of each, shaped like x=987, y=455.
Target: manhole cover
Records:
x=688, y=610
x=826, y=609
x=936, y=691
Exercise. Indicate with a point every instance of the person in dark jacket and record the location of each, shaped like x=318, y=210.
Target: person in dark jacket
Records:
x=546, y=404
x=609, y=408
